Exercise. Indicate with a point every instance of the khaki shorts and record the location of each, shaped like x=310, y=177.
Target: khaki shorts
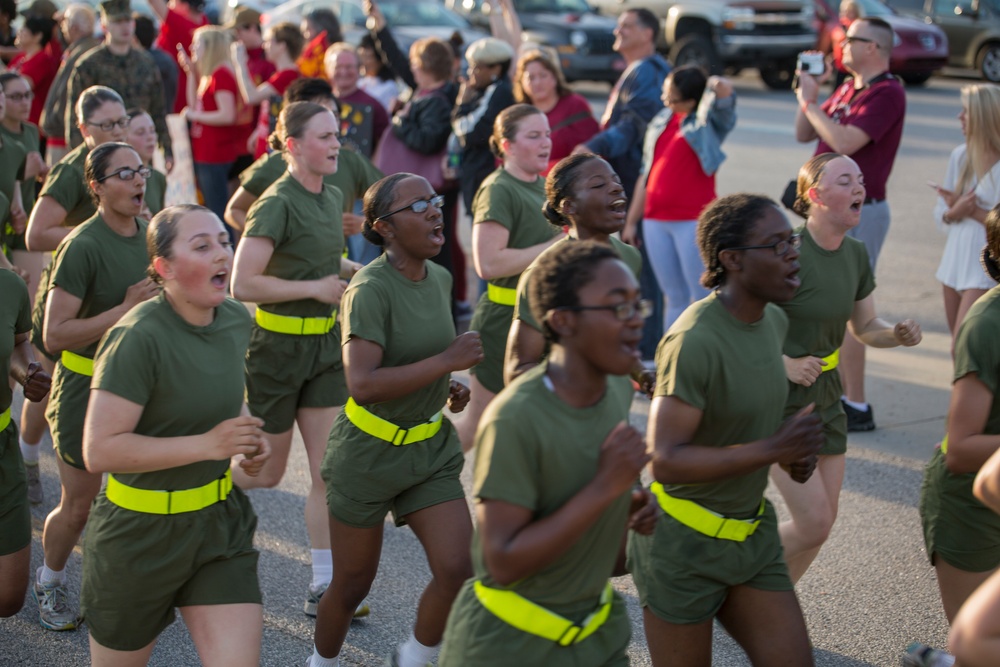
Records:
x=684, y=576
x=139, y=567
x=285, y=373
x=15, y=514
x=366, y=478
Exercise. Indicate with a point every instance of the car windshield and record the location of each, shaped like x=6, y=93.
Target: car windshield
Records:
x=874, y=8
x=554, y=6
x=420, y=13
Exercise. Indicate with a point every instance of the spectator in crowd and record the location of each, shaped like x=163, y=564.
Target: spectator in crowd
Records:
x=363, y=119
x=77, y=26
x=178, y=21
x=145, y=33
x=635, y=99
x=142, y=137
x=481, y=97
x=36, y=64
x=850, y=11
x=129, y=71
x=282, y=45
x=863, y=120
x=214, y=106
x=320, y=29
x=245, y=25
x=681, y=155
x=377, y=79
x=538, y=80
x=8, y=12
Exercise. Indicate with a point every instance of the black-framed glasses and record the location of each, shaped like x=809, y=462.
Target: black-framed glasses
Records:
x=780, y=248
x=419, y=206
x=854, y=38
x=20, y=97
x=109, y=125
x=623, y=311
x=127, y=174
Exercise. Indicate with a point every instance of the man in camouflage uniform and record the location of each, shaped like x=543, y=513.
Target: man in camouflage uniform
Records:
x=117, y=64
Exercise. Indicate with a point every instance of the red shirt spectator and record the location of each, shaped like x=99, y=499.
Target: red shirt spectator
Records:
x=261, y=69
x=177, y=30
x=216, y=144
x=270, y=108
x=39, y=69
x=682, y=189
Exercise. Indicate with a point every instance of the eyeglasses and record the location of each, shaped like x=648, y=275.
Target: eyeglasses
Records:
x=623, y=311
x=127, y=174
x=109, y=125
x=780, y=248
x=20, y=97
x=853, y=38
x=419, y=206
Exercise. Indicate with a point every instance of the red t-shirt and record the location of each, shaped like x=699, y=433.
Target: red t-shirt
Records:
x=218, y=144
x=41, y=68
x=271, y=107
x=261, y=69
x=178, y=30
x=677, y=188
x=572, y=123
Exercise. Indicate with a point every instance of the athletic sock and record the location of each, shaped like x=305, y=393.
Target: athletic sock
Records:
x=860, y=407
x=322, y=567
x=415, y=654
x=47, y=576
x=319, y=661
x=30, y=452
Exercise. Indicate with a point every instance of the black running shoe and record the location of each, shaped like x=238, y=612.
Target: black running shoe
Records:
x=859, y=420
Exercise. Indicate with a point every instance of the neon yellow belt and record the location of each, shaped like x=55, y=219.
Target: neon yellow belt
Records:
x=386, y=430
x=4, y=419
x=944, y=443
x=523, y=614
x=505, y=296
x=169, y=502
x=705, y=521
x=296, y=326
x=78, y=364
x=832, y=360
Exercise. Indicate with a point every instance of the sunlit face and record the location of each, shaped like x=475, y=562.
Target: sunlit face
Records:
x=119, y=31
x=18, y=96
x=346, y=70
x=531, y=146
x=27, y=40
x=840, y=191
x=418, y=235
x=273, y=49
x=250, y=35
x=318, y=149
x=598, y=203
x=124, y=197
x=108, y=112
x=539, y=82
x=770, y=277
x=142, y=136
x=630, y=34
x=201, y=261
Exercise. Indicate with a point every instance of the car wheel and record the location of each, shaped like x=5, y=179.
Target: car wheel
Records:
x=778, y=75
x=989, y=62
x=916, y=78
x=697, y=50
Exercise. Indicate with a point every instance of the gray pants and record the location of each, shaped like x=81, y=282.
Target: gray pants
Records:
x=872, y=229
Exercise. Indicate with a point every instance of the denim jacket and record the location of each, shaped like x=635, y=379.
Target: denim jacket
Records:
x=704, y=130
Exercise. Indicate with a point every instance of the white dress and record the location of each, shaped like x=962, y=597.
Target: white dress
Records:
x=960, y=268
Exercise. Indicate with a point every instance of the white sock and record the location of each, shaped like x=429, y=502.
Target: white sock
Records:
x=322, y=567
x=47, y=575
x=319, y=661
x=415, y=654
x=30, y=452
x=863, y=407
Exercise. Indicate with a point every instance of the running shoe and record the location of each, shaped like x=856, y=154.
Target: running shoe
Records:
x=34, y=483
x=859, y=420
x=393, y=660
x=922, y=655
x=312, y=601
x=54, y=612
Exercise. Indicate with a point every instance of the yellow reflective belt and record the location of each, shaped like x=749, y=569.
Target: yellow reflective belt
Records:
x=386, y=430
x=4, y=419
x=705, y=521
x=944, y=444
x=169, y=502
x=505, y=296
x=296, y=326
x=77, y=364
x=832, y=360
x=523, y=614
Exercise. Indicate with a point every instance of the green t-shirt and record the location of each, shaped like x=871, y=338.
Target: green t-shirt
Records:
x=522, y=308
x=67, y=187
x=517, y=205
x=354, y=175
x=731, y=371
x=410, y=321
x=97, y=266
x=976, y=350
x=188, y=379
x=29, y=142
x=537, y=452
x=156, y=191
x=308, y=234
x=15, y=318
x=832, y=281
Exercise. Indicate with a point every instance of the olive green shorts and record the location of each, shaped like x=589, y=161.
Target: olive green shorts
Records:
x=366, y=477
x=15, y=514
x=492, y=321
x=66, y=413
x=825, y=393
x=475, y=637
x=957, y=527
x=285, y=373
x=139, y=567
x=38, y=312
x=684, y=576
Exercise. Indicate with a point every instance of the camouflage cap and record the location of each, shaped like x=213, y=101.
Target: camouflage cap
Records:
x=116, y=9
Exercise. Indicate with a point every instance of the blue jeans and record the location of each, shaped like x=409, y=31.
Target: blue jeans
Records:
x=358, y=248
x=676, y=262
x=213, y=183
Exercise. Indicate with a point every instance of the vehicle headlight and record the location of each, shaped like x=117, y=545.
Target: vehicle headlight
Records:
x=896, y=41
x=578, y=38
x=737, y=18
